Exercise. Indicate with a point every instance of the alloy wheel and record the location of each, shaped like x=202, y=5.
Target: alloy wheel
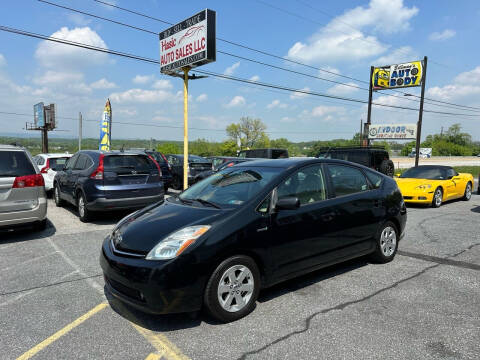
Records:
x=235, y=288
x=468, y=192
x=388, y=241
x=81, y=206
x=438, y=197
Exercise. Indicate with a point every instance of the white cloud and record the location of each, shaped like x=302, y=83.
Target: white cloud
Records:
x=276, y=103
x=255, y=78
x=202, y=98
x=145, y=96
x=163, y=119
x=162, y=84
x=444, y=35
x=343, y=39
x=236, y=101
x=143, y=79
x=299, y=95
x=231, y=69
x=78, y=19
x=58, y=77
x=399, y=55
x=323, y=110
x=343, y=89
x=3, y=61
x=287, y=119
x=61, y=56
x=127, y=111
x=328, y=73
x=465, y=87
x=103, y=84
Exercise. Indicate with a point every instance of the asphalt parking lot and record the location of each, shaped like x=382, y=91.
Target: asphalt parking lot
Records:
x=423, y=305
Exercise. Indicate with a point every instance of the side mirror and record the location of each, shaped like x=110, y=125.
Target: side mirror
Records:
x=287, y=203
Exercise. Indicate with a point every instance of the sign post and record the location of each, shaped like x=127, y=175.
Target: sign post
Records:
x=420, y=114
x=43, y=120
x=369, y=113
x=184, y=46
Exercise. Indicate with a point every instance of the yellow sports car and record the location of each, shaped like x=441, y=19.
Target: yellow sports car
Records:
x=432, y=184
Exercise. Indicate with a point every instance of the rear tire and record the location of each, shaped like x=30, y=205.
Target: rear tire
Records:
x=386, y=243
x=437, y=198
x=468, y=192
x=232, y=290
x=56, y=196
x=387, y=167
x=83, y=213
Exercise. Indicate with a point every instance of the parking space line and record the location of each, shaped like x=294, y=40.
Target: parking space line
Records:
x=27, y=261
x=153, y=356
x=39, y=347
x=161, y=343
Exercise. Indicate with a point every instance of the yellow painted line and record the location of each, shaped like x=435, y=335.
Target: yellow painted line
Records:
x=61, y=332
x=161, y=343
x=153, y=356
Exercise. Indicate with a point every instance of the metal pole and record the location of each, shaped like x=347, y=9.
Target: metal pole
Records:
x=370, y=93
x=45, y=139
x=80, y=131
x=420, y=113
x=361, y=132
x=185, y=127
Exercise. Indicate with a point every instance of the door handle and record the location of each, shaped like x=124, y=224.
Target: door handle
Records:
x=262, y=229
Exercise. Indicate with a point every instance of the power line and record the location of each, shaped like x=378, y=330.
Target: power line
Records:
x=290, y=60
x=157, y=62
x=239, y=57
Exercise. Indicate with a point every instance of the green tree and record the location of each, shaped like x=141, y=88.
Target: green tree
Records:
x=250, y=132
x=228, y=148
x=169, y=148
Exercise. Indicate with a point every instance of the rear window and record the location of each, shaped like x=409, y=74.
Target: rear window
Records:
x=127, y=163
x=279, y=154
x=58, y=161
x=15, y=163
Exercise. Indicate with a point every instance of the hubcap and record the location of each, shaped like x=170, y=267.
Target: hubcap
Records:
x=235, y=288
x=468, y=191
x=57, y=196
x=81, y=206
x=438, y=198
x=388, y=241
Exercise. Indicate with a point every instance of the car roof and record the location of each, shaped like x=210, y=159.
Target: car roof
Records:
x=434, y=166
x=55, y=154
x=11, y=147
x=291, y=162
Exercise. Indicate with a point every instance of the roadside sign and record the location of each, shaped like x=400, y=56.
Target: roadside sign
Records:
x=39, y=115
x=398, y=75
x=189, y=43
x=392, y=131
x=50, y=116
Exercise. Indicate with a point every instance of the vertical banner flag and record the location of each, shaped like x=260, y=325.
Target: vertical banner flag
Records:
x=106, y=128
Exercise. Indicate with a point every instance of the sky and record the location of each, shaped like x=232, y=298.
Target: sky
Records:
x=342, y=37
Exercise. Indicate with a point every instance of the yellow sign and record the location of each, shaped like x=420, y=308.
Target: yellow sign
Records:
x=398, y=75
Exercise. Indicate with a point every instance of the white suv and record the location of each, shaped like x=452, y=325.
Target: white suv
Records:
x=22, y=193
x=47, y=163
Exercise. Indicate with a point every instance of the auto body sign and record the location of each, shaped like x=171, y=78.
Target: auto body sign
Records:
x=393, y=131
x=188, y=43
x=398, y=76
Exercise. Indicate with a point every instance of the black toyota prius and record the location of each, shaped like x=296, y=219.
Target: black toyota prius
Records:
x=249, y=227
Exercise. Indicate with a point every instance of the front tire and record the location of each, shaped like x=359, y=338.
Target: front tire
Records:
x=233, y=288
x=437, y=198
x=468, y=192
x=386, y=243
x=83, y=212
x=387, y=168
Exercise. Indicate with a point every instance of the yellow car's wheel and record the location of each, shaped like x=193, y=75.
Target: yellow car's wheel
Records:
x=468, y=191
x=437, y=198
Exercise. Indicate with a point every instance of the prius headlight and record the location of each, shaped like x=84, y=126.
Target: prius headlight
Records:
x=424, y=187
x=176, y=243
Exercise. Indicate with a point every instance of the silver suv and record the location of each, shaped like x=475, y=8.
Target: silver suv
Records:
x=23, y=200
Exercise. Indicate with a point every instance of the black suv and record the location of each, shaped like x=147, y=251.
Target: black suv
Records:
x=196, y=164
x=96, y=180
x=264, y=153
x=375, y=157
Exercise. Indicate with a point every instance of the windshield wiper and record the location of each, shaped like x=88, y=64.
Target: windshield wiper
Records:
x=206, y=202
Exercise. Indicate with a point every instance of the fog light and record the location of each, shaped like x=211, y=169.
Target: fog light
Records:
x=422, y=198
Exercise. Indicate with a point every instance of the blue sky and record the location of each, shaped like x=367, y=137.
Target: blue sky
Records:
x=344, y=37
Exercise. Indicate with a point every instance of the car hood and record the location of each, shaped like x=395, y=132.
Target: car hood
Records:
x=141, y=231
x=411, y=183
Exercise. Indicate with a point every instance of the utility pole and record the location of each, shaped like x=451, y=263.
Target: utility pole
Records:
x=185, y=127
x=370, y=94
x=361, y=132
x=45, y=139
x=80, y=119
x=420, y=113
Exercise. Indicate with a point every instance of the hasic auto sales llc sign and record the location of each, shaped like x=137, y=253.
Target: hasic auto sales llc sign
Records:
x=188, y=43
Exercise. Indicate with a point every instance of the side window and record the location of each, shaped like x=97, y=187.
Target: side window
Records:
x=347, y=180
x=307, y=184
x=81, y=162
x=71, y=162
x=450, y=173
x=89, y=162
x=375, y=179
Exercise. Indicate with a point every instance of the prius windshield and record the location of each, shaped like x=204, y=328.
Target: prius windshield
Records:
x=231, y=187
x=430, y=173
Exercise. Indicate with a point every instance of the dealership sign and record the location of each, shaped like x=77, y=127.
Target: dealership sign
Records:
x=398, y=76
x=393, y=131
x=189, y=43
